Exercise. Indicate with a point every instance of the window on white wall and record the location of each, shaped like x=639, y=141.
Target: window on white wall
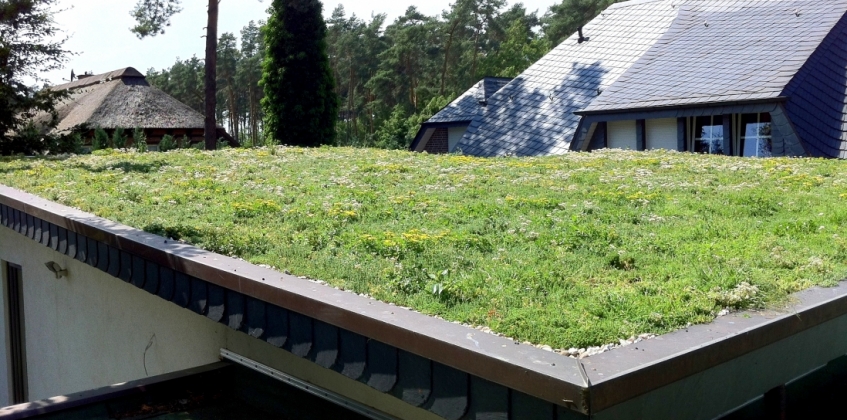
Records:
x=756, y=140
x=15, y=345
x=708, y=135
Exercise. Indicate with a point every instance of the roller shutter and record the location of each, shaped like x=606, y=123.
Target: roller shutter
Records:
x=661, y=134
x=621, y=135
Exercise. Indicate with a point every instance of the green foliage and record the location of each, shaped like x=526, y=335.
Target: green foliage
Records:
x=140, y=139
x=431, y=108
x=119, y=139
x=153, y=16
x=394, y=131
x=184, y=142
x=30, y=44
x=520, y=49
x=167, y=143
x=228, y=58
x=249, y=73
x=376, y=65
x=100, y=140
x=570, y=251
x=75, y=143
x=183, y=81
x=70, y=143
x=300, y=104
x=29, y=140
x=238, y=94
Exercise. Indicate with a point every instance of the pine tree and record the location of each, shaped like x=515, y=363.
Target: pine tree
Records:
x=152, y=17
x=300, y=103
x=100, y=140
x=30, y=43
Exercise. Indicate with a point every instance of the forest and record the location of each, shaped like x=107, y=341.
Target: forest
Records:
x=389, y=77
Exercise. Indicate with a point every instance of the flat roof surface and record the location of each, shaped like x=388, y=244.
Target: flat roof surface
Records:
x=544, y=375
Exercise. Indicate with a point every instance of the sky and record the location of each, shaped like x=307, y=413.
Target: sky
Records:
x=99, y=35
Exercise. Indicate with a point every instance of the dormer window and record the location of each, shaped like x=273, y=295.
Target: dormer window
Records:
x=756, y=135
x=708, y=135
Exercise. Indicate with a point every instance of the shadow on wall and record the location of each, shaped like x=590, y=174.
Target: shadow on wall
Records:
x=527, y=118
x=817, y=95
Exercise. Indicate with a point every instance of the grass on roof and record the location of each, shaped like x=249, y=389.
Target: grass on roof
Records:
x=567, y=251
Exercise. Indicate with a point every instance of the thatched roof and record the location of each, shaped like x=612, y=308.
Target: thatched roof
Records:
x=122, y=99
x=88, y=80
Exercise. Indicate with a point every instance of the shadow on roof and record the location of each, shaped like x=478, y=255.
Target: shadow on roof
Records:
x=818, y=97
x=536, y=121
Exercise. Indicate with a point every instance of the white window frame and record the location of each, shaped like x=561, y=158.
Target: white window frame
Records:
x=741, y=130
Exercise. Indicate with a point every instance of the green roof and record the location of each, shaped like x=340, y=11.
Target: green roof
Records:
x=568, y=251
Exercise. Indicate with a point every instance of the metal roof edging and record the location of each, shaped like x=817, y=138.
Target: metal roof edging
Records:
x=684, y=107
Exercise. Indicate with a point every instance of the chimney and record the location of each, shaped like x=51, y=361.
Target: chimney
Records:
x=581, y=37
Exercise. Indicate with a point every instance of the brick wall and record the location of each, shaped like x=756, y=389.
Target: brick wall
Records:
x=438, y=142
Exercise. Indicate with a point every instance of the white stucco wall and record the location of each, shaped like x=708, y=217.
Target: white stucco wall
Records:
x=661, y=134
x=454, y=135
x=621, y=135
x=90, y=330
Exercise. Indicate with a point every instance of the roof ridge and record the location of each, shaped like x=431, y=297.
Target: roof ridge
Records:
x=88, y=80
x=632, y=3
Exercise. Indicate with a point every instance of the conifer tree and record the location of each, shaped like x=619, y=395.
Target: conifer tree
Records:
x=152, y=17
x=300, y=103
x=30, y=43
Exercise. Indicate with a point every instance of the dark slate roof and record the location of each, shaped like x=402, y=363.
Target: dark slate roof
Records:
x=534, y=113
x=724, y=51
x=469, y=104
x=818, y=97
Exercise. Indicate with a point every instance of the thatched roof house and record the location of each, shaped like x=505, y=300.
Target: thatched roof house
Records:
x=124, y=99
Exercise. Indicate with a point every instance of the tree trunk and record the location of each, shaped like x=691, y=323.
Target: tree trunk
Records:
x=447, y=56
x=254, y=118
x=233, y=111
x=475, y=53
x=350, y=93
x=210, y=132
